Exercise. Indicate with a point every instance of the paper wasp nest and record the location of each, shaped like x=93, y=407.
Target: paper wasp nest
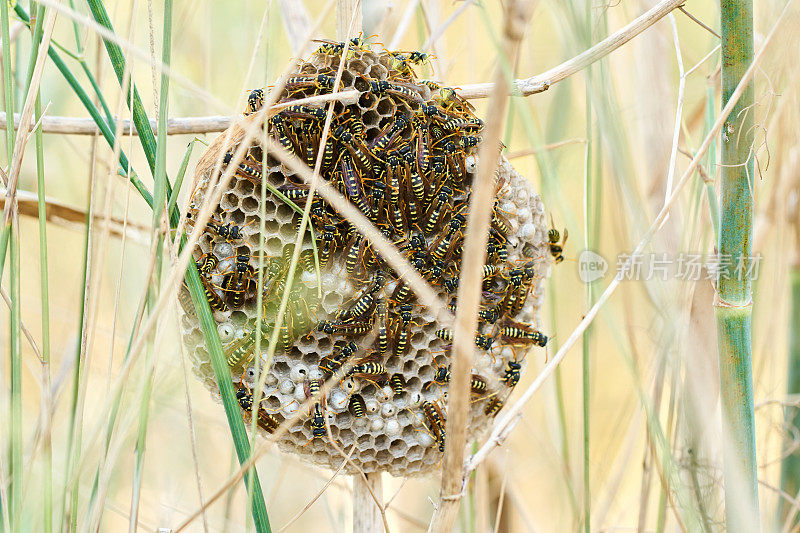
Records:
x=405, y=146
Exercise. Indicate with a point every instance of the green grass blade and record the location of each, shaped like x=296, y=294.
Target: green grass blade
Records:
x=117, y=58
x=8, y=86
x=222, y=374
x=47, y=450
x=105, y=130
x=16, y=473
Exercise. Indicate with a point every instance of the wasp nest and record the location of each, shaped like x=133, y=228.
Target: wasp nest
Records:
x=404, y=154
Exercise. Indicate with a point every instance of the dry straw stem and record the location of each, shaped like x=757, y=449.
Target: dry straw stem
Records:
x=517, y=13
x=511, y=415
x=25, y=119
x=527, y=86
x=59, y=213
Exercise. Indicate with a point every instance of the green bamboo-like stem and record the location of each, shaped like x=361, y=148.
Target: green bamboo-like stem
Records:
x=711, y=161
x=790, y=467
x=733, y=305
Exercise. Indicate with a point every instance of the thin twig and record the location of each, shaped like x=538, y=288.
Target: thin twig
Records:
x=699, y=22
x=526, y=86
x=321, y=491
x=506, y=423
x=543, y=81
x=60, y=213
x=25, y=330
x=544, y=148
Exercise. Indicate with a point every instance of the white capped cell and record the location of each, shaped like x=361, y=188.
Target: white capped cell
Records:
x=388, y=415
x=286, y=387
x=392, y=427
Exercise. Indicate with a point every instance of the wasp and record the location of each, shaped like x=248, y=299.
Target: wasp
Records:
x=489, y=316
x=368, y=369
x=318, y=430
x=329, y=233
x=443, y=248
x=402, y=61
x=383, y=331
x=387, y=135
x=352, y=184
x=266, y=421
x=320, y=81
x=401, y=336
x=304, y=111
x=515, y=279
x=311, y=388
x=477, y=384
x=511, y=375
x=441, y=376
x=439, y=204
x=378, y=196
x=342, y=351
x=363, y=303
x=436, y=421
x=250, y=168
x=463, y=123
x=238, y=283
x=357, y=406
x=245, y=398
x=553, y=238
x=345, y=328
x=279, y=127
x=241, y=351
x=449, y=100
x=394, y=89
x=402, y=292
x=255, y=101
x=415, y=180
x=398, y=384
x=481, y=341
x=206, y=264
x=230, y=232
x=499, y=222
x=214, y=300
x=520, y=334
x=493, y=406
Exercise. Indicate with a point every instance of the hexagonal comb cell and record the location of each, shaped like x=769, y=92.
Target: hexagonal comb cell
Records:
x=404, y=155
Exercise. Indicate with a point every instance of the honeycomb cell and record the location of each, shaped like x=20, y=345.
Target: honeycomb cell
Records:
x=393, y=434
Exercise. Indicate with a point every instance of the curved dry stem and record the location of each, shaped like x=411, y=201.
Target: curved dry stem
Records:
x=506, y=423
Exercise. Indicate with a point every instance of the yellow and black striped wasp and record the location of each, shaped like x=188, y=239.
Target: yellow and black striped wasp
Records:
x=553, y=238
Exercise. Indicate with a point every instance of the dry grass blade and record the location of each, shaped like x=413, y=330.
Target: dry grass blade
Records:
x=511, y=414
x=25, y=119
x=59, y=213
x=516, y=16
x=388, y=251
x=543, y=81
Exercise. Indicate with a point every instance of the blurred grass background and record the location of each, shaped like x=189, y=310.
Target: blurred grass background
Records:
x=653, y=344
